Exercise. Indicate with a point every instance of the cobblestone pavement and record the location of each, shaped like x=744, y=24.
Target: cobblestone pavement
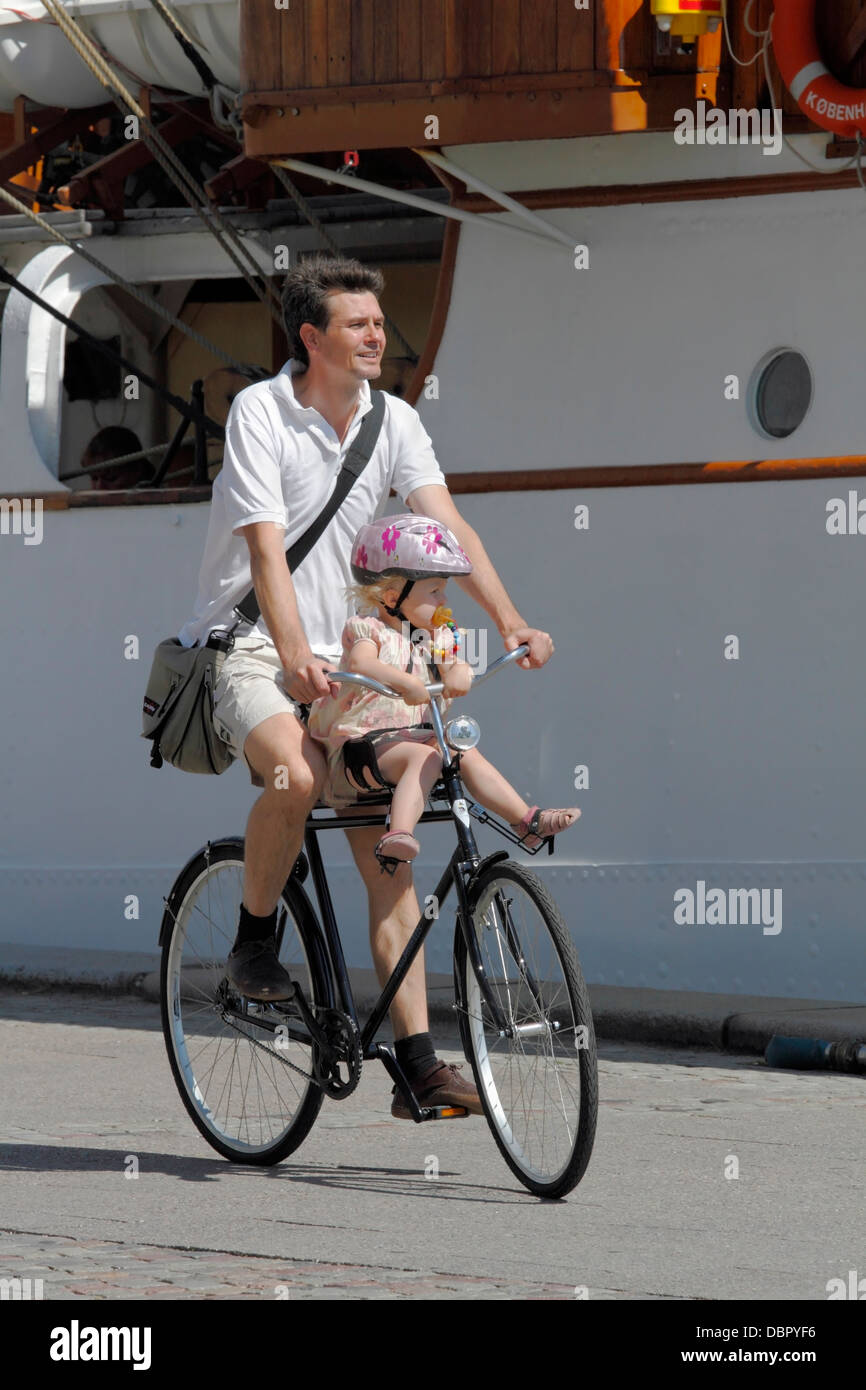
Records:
x=98, y=1269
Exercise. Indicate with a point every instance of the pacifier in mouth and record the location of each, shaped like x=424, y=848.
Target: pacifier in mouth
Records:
x=442, y=618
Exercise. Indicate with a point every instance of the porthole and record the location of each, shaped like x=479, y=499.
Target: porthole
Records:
x=781, y=393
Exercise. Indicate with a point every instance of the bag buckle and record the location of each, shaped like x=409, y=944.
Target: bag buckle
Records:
x=221, y=640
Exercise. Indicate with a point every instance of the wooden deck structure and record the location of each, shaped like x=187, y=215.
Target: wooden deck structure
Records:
x=361, y=74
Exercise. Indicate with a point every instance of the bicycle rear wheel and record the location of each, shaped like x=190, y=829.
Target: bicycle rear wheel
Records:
x=539, y=1081
x=242, y=1076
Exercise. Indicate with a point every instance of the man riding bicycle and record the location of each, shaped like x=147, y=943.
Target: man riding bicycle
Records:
x=285, y=442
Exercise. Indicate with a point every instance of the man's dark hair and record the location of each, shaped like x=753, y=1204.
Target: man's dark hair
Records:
x=306, y=289
x=112, y=442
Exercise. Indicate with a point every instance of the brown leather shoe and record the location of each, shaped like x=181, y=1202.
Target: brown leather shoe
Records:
x=256, y=973
x=441, y=1085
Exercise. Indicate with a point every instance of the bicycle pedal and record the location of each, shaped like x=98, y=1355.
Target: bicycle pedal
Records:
x=270, y=1008
x=389, y=865
x=445, y=1112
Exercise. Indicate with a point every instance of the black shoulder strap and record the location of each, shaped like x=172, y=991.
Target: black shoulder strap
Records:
x=355, y=462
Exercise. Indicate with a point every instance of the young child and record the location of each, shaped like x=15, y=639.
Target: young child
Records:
x=373, y=741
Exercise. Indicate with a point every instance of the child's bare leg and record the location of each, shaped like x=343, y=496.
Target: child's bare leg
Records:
x=487, y=784
x=414, y=768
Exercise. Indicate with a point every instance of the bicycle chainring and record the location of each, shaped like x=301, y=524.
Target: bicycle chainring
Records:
x=339, y=1071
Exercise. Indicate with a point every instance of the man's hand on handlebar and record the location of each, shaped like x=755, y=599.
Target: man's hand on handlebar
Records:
x=307, y=681
x=540, y=645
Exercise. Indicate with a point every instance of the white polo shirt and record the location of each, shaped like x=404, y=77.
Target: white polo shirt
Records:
x=281, y=464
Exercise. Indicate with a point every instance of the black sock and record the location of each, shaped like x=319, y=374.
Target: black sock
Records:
x=415, y=1054
x=252, y=928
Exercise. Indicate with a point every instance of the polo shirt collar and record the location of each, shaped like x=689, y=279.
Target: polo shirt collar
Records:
x=281, y=386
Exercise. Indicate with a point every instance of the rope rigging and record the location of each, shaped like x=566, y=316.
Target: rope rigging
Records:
x=191, y=413
x=94, y=56
x=215, y=89
x=162, y=152
x=255, y=373
x=179, y=404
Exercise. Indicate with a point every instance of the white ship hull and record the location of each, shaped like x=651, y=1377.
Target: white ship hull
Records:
x=732, y=773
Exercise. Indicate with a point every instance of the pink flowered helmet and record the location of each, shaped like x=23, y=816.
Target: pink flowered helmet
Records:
x=413, y=546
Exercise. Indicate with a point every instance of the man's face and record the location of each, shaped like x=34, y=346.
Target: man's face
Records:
x=112, y=479
x=354, y=342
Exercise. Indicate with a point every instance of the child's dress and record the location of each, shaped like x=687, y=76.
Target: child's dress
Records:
x=357, y=713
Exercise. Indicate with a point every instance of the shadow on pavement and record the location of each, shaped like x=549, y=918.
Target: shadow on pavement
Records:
x=46, y=1158
x=83, y=1009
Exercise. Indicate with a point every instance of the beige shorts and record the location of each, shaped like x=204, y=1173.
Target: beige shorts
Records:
x=249, y=690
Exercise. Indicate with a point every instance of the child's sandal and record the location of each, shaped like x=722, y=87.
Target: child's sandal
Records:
x=406, y=845
x=527, y=828
x=529, y=831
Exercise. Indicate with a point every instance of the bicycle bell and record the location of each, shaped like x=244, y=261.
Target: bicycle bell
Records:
x=462, y=732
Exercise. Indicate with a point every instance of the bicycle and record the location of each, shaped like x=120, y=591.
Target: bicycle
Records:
x=253, y=1076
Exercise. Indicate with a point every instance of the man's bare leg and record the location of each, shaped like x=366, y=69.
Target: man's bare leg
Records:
x=394, y=915
x=275, y=829
x=292, y=769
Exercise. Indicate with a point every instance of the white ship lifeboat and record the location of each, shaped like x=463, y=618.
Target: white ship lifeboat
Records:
x=37, y=61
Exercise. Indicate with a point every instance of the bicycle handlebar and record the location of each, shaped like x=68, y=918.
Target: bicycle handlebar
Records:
x=435, y=688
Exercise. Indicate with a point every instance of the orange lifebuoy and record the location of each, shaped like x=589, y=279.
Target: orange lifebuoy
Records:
x=820, y=96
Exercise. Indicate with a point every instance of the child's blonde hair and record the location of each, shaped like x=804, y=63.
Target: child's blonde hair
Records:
x=367, y=597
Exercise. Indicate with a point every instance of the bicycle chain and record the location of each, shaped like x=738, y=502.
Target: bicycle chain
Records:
x=329, y=1080
x=284, y=1061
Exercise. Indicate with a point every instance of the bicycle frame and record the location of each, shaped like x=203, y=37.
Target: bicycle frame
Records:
x=462, y=866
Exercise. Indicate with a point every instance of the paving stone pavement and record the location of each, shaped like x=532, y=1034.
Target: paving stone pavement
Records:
x=99, y=1269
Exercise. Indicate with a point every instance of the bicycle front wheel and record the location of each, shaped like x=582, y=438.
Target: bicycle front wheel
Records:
x=242, y=1072
x=536, y=1066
